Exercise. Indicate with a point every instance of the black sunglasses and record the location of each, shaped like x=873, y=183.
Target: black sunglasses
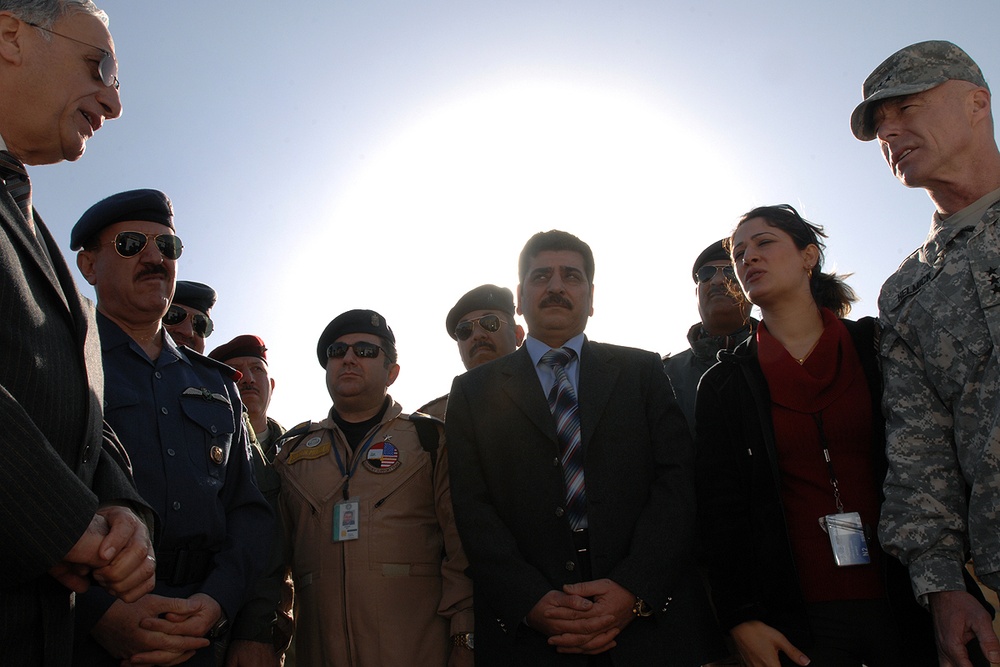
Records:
x=130, y=244
x=202, y=325
x=361, y=349
x=107, y=68
x=491, y=323
x=708, y=272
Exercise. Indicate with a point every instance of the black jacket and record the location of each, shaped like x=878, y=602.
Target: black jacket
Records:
x=741, y=518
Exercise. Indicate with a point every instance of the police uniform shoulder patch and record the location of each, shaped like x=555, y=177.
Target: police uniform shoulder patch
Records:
x=382, y=457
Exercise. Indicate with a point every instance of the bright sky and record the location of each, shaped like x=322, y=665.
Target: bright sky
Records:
x=337, y=154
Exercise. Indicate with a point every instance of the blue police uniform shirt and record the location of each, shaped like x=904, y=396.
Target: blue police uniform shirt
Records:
x=181, y=421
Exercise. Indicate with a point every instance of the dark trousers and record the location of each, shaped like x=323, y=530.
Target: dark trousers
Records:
x=852, y=633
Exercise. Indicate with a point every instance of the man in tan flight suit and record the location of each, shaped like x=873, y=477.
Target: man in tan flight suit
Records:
x=379, y=569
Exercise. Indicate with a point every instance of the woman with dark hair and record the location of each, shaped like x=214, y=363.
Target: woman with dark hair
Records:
x=791, y=457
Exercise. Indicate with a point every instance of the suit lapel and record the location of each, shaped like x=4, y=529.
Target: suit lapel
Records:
x=521, y=385
x=597, y=381
x=12, y=220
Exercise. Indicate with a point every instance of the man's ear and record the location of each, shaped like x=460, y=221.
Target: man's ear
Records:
x=393, y=374
x=981, y=103
x=85, y=262
x=12, y=30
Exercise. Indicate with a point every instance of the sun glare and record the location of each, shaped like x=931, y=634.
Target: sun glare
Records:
x=446, y=204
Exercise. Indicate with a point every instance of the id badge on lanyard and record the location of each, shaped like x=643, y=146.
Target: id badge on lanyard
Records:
x=847, y=538
x=845, y=529
x=345, y=520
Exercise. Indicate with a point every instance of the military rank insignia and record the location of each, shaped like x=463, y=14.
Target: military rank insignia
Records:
x=383, y=457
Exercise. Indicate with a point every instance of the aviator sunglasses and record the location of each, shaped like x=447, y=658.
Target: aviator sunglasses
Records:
x=107, y=68
x=361, y=349
x=491, y=323
x=130, y=244
x=202, y=325
x=708, y=272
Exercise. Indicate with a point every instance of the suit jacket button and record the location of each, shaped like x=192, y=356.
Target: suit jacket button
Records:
x=560, y=511
x=570, y=565
x=555, y=462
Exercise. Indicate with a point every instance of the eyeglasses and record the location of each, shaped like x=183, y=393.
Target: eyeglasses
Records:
x=130, y=244
x=202, y=325
x=361, y=349
x=491, y=323
x=708, y=272
x=107, y=68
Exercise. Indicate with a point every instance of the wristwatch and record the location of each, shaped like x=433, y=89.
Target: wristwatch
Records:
x=641, y=609
x=220, y=628
x=465, y=640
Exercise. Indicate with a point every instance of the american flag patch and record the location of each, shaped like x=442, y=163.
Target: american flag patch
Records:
x=382, y=457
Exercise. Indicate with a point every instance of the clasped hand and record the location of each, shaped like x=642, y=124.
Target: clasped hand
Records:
x=583, y=618
x=116, y=550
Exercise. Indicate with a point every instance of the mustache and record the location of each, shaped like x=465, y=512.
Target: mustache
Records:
x=556, y=300
x=152, y=270
x=482, y=344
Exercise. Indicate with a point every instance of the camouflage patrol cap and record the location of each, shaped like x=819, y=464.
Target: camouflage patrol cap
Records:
x=910, y=70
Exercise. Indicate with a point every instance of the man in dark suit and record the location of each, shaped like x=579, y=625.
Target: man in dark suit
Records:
x=66, y=497
x=572, y=482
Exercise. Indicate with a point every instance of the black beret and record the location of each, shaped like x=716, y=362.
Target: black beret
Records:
x=484, y=297
x=241, y=346
x=194, y=295
x=353, y=321
x=149, y=205
x=713, y=253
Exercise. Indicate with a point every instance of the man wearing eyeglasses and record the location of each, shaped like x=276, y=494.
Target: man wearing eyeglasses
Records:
x=179, y=415
x=188, y=319
x=64, y=487
x=379, y=569
x=482, y=323
x=725, y=322
x=572, y=476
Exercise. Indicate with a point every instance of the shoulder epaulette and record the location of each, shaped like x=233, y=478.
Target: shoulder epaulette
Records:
x=227, y=371
x=291, y=434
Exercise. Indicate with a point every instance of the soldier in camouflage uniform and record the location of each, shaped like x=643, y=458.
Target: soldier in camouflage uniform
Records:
x=930, y=109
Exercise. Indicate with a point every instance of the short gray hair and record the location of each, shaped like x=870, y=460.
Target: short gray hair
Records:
x=46, y=12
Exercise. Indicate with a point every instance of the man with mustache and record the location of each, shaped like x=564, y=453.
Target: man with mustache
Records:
x=725, y=322
x=572, y=476
x=262, y=630
x=179, y=416
x=379, y=568
x=188, y=320
x=69, y=509
x=930, y=109
x=482, y=323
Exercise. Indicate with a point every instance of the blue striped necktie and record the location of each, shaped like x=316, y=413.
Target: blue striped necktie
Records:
x=566, y=409
x=15, y=178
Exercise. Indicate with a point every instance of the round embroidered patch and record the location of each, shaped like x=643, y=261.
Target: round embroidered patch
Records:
x=383, y=457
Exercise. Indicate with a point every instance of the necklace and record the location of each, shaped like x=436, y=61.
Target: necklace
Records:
x=802, y=359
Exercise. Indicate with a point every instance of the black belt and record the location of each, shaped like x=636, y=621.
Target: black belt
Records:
x=182, y=567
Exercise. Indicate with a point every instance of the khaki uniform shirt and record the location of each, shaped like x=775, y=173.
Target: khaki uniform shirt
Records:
x=940, y=314
x=436, y=408
x=395, y=595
